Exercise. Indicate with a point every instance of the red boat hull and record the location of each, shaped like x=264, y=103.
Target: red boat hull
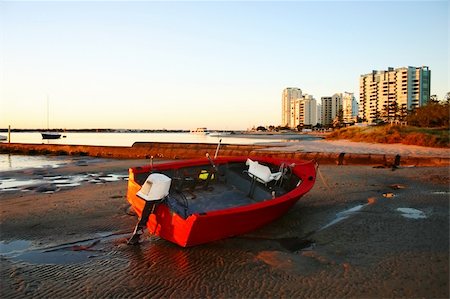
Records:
x=211, y=226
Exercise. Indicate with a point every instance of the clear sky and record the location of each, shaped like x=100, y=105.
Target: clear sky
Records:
x=182, y=65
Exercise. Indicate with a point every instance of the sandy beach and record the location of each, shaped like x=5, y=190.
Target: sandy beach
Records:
x=346, y=146
x=362, y=232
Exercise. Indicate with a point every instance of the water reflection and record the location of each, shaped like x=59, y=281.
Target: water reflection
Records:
x=54, y=183
x=15, y=162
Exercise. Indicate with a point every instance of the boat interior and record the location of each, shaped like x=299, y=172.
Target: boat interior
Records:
x=202, y=189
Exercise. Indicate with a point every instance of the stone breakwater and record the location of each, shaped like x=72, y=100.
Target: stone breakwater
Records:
x=164, y=150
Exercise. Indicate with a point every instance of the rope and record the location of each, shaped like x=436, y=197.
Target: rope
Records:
x=322, y=178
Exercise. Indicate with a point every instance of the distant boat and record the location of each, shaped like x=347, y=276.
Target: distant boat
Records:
x=48, y=134
x=3, y=137
x=200, y=131
x=220, y=134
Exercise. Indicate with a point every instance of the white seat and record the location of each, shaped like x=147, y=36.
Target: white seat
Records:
x=156, y=187
x=261, y=173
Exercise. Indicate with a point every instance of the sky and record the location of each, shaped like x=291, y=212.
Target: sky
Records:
x=183, y=65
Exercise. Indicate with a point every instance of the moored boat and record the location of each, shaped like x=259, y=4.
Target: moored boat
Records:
x=212, y=200
x=50, y=135
x=200, y=131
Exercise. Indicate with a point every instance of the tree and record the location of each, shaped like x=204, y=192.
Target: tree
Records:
x=434, y=114
x=433, y=99
x=338, y=121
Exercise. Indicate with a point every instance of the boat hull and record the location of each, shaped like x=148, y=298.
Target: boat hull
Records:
x=51, y=135
x=200, y=228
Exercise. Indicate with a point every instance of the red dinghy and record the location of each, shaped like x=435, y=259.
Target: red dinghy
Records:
x=210, y=201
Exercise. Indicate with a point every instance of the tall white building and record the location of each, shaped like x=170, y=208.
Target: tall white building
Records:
x=308, y=111
x=288, y=109
x=298, y=108
x=349, y=108
x=319, y=113
x=388, y=95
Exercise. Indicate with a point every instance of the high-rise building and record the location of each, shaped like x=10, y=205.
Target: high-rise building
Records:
x=298, y=108
x=388, y=95
x=330, y=108
x=319, y=113
x=349, y=108
x=307, y=111
x=288, y=107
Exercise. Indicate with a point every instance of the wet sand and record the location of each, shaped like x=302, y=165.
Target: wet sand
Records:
x=348, y=237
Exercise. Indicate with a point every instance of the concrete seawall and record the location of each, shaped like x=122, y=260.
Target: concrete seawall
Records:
x=144, y=150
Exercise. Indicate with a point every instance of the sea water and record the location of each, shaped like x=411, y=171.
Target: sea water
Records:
x=127, y=139
x=15, y=162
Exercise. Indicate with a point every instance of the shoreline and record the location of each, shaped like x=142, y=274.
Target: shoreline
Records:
x=341, y=152
x=344, y=234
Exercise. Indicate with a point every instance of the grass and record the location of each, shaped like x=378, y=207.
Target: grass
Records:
x=395, y=134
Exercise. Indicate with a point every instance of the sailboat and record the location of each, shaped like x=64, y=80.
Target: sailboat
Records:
x=48, y=134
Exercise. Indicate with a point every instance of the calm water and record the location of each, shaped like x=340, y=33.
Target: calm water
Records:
x=15, y=162
x=127, y=139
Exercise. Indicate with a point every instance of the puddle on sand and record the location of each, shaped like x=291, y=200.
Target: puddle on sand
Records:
x=344, y=215
x=55, y=257
x=70, y=253
x=13, y=247
x=10, y=184
x=53, y=183
x=16, y=162
x=412, y=213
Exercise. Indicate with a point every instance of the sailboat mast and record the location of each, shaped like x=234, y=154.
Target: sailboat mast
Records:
x=48, y=113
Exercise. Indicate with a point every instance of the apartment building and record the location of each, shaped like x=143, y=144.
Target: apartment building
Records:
x=319, y=113
x=298, y=108
x=387, y=95
x=330, y=108
x=349, y=108
x=289, y=113
x=307, y=111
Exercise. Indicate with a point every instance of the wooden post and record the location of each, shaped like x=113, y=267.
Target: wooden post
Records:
x=9, y=134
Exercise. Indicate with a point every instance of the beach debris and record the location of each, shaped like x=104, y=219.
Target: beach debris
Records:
x=397, y=186
x=340, y=160
x=412, y=213
x=388, y=194
x=371, y=200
